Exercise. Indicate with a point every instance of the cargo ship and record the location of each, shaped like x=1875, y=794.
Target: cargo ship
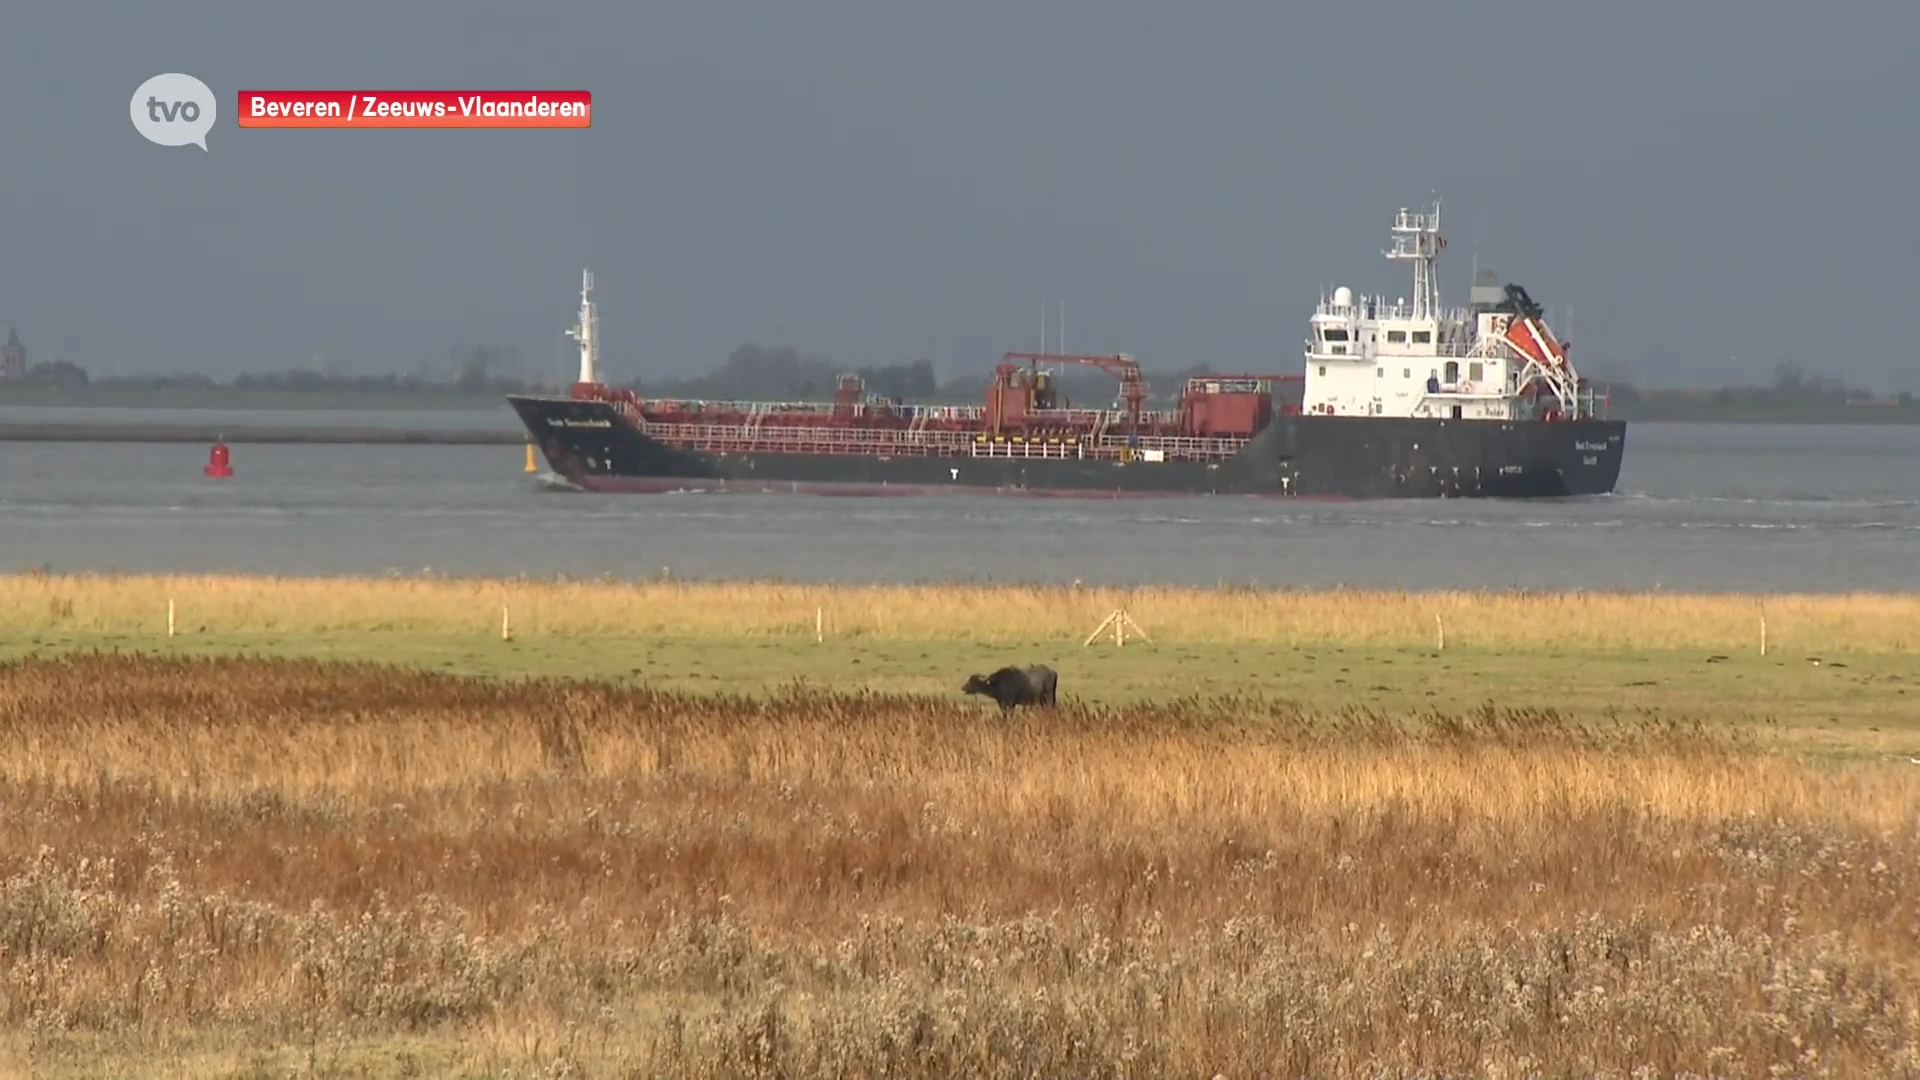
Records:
x=1402, y=399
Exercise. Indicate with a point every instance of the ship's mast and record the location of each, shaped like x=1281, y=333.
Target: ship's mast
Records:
x=587, y=332
x=1416, y=239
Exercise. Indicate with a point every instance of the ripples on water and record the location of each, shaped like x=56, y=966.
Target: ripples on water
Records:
x=1699, y=506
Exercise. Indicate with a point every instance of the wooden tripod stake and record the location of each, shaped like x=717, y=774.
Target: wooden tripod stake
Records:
x=1121, y=622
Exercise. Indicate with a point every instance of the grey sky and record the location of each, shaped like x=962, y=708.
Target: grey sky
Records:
x=1712, y=187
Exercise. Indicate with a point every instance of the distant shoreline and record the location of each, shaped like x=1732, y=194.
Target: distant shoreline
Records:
x=450, y=400
x=289, y=400
x=108, y=432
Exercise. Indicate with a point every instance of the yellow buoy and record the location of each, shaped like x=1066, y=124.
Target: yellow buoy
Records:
x=531, y=467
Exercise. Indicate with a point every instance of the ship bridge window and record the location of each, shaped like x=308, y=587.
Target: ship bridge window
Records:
x=1396, y=335
x=1323, y=369
x=1475, y=371
x=1334, y=333
x=1422, y=337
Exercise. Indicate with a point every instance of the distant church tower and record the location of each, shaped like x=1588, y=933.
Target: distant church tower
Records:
x=13, y=361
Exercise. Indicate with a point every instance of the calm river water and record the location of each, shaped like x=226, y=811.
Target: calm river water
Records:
x=1700, y=507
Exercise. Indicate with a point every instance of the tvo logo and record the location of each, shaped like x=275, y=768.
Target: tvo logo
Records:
x=173, y=110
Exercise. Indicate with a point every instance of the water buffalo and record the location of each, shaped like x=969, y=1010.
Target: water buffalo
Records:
x=1014, y=686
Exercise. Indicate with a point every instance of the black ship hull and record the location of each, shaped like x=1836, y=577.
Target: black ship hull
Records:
x=1327, y=457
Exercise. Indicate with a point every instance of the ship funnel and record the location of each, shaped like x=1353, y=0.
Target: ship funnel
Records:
x=1487, y=290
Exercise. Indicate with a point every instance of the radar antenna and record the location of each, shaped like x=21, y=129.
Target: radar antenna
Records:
x=1417, y=239
x=587, y=333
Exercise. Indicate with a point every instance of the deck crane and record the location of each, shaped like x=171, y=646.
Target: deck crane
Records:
x=1125, y=367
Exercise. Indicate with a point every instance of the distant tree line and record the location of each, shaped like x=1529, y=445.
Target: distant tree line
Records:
x=477, y=371
x=1792, y=394
x=781, y=373
x=52, y=373
x=752, y=372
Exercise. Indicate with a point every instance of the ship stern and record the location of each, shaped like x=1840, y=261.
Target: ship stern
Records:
x=1590, y=455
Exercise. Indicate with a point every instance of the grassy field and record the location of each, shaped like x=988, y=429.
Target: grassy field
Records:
x=230, y=867
x=1839, y=673
x=1523, y=621
x=756, y=830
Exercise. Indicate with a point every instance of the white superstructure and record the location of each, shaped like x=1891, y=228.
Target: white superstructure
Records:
x=1492, y=360
x=587, y=331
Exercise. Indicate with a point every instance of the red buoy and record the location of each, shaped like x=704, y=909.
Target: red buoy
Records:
x=219, y=461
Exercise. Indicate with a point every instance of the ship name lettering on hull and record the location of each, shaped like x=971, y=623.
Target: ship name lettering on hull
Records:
x=557, y=422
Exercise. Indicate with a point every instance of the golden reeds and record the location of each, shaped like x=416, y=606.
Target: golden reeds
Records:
x=1504, y=620
x=868, y=885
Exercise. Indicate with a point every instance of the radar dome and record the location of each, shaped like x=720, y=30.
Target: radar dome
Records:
x=1343, y=296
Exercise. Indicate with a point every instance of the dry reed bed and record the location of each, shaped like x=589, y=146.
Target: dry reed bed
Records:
x=1603, y=620
x=873, y=885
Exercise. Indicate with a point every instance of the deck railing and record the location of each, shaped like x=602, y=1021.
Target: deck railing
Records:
x=765, y=434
